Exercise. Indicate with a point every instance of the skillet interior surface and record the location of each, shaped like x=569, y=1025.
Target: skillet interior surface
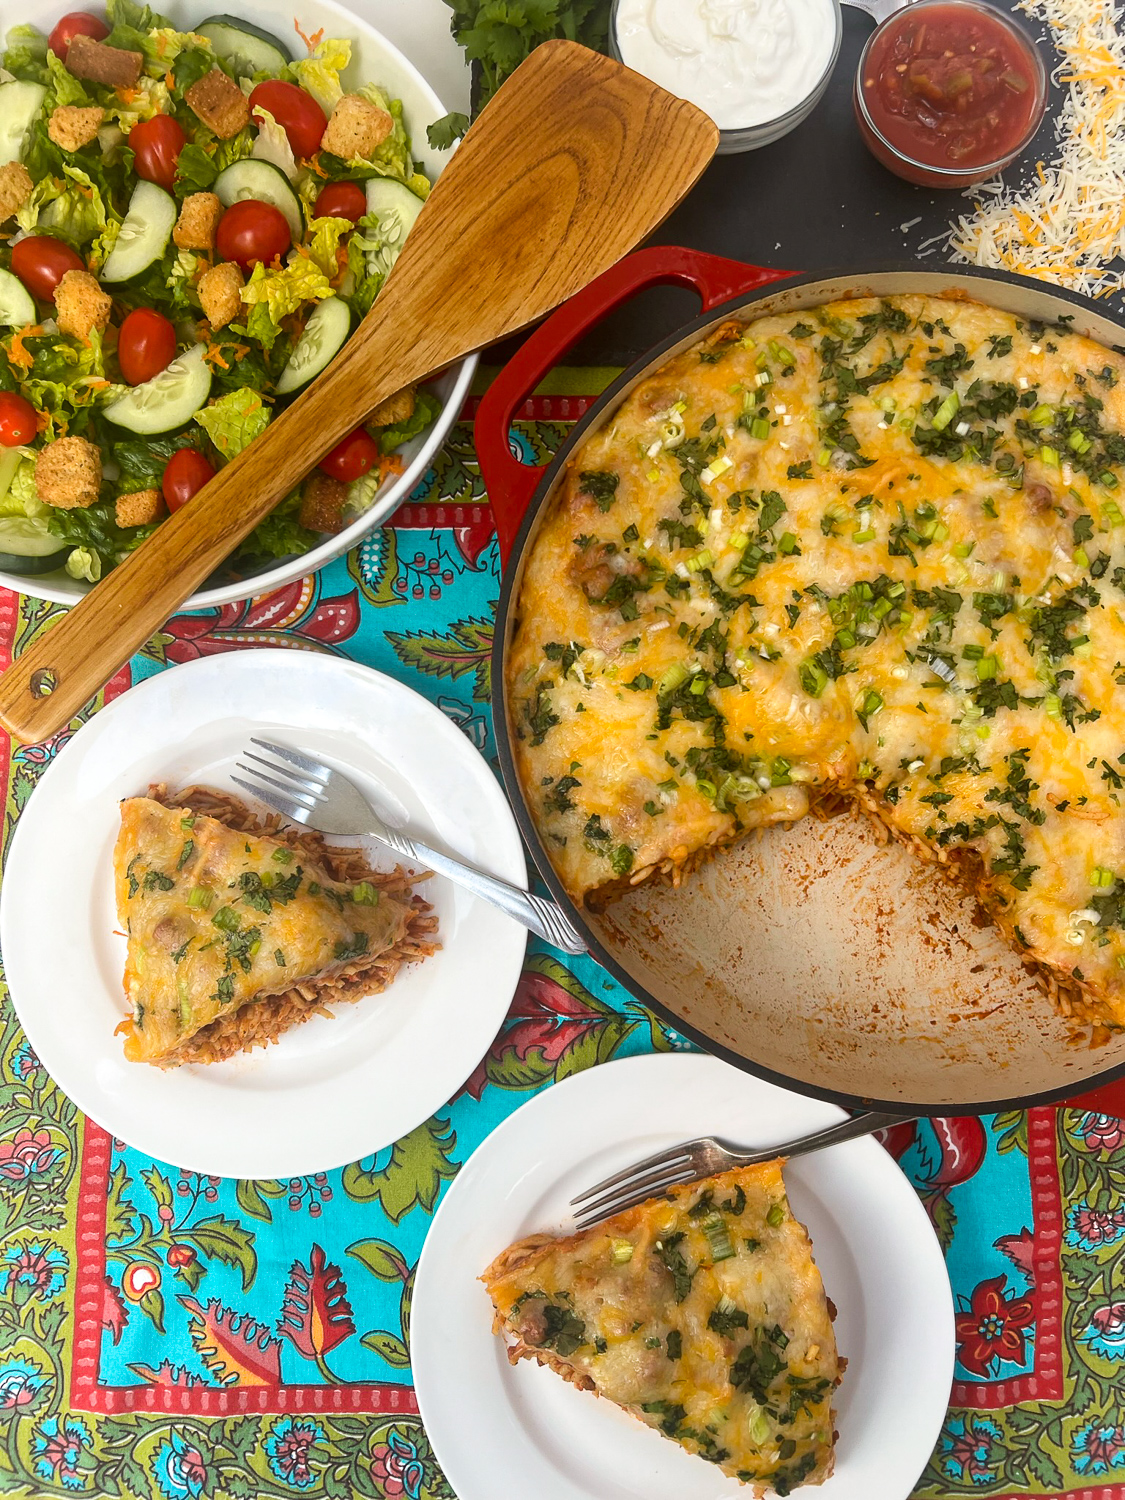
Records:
x=823, y=957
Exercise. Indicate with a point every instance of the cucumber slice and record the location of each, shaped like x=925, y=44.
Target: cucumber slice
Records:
x=325, y=333
x=10, y=459
x=19, y=104
x=169, y=399
x=248, y=49
x=396, y=208
x=17, y=309
x=28, y=546
x=251, y=178
x=144, y=235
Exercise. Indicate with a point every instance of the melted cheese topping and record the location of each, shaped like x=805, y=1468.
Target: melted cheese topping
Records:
x=876, y=548
x=702, y=1313
x=217, y=919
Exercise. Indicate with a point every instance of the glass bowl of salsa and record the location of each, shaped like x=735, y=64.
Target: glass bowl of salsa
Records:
x=948, y=92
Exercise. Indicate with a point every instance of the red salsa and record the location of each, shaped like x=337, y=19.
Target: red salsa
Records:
x=951, y=86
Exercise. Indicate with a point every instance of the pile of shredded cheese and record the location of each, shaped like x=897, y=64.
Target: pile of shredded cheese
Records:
x=1068, y=225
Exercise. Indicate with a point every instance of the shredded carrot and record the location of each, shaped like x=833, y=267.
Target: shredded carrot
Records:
x=389, y=463
x=311, y=42
x=17, y=354
x=42, y=420
x=127, y=96
x=169, y=80
x=313, y=163
x=213, y=354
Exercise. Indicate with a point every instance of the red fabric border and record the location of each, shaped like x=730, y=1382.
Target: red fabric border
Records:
x=87, y=1394
x=1045, y=1383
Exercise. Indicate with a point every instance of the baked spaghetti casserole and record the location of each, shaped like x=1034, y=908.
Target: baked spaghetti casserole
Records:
x=872, y=551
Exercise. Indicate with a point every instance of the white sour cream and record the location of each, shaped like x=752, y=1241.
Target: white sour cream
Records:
x=743, y=61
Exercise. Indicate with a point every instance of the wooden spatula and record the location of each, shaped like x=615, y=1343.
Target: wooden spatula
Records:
x=574, y=162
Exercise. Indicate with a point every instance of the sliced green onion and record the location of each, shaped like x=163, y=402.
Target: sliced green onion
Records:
x=775, y=1216
x=739, y=540
x=872, y=703
x=1042, y=416
x=1111, y=514
x=963, y=549
x=1079, y=442
x=674, y=676
x=760, y=429
x=1082, y=557
x=283, y=856
x=987, y=668
x=622, y=1252
x=700, y=561
x=1052, y=706
x=867, y=535
x=814, y=678
x=200, y=898
x=1108, y=478
x=365, y=894
x=787, y=543
x=824, y=457
x=1101, y=876
x=1049, y=456
x=698, y=685
x=718, y=1237
x=946, y=412
x=706, y=789
x=757, y=1424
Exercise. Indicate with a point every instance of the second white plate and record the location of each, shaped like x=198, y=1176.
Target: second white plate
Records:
x=332, y=1090
x=504, y=1433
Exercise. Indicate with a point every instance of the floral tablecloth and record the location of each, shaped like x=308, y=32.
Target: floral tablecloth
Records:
x=174, y=1336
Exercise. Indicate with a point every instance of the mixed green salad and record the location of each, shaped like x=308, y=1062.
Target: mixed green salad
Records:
x=191, y=225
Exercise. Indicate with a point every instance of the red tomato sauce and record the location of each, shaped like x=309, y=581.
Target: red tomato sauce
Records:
x=951, y=87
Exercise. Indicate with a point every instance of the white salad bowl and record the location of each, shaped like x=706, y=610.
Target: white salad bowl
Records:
x=374, y=60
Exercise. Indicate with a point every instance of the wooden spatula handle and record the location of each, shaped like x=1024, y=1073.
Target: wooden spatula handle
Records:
x=45, y=687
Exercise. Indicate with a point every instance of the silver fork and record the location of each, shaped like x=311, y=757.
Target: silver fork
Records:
x=692, y=1160
x=309, y=792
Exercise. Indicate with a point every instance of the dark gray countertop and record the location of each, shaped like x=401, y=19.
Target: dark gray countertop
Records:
x=815, y=200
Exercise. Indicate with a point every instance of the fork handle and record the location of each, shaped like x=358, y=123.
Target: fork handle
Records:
x=850, y=1129
x=540, y=916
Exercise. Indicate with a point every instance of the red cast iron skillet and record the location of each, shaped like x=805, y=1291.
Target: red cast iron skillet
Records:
x=816, y=957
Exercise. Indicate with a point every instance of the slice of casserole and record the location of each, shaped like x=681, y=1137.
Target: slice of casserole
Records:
x=701, y=1313
x=233, y=936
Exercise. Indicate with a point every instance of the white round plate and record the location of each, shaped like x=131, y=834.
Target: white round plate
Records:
x=503, y=1433
x=332, y=1090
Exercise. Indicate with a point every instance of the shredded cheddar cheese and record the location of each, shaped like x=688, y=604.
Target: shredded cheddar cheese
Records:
x=1068, y=224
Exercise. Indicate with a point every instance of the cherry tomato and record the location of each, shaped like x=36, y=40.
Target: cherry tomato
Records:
x=185, y=473
x=41, y=262
x=76, y=23
x=157, y=144
x=17, y=420
x=297, y=112
x=353, y=457
x=252, y=231
x=341, y=200
x=145, y=346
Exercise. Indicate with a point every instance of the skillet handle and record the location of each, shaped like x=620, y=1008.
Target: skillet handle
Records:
x=509, y=483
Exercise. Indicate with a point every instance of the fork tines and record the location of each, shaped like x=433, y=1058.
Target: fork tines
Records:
x=644, y=1179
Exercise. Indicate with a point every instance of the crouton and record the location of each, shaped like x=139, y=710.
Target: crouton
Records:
x=68, y=473
x=199, y=218
x=322, y=503
x=113, y=66
x=395, y=409
x=219, y=103
x=16, y=188
x=72, y=127
x=219, y=290
x=81, y=304
x=356, y=128
x=138, y=508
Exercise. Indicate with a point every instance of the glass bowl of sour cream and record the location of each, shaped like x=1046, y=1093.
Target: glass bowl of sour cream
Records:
x=757, y=67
